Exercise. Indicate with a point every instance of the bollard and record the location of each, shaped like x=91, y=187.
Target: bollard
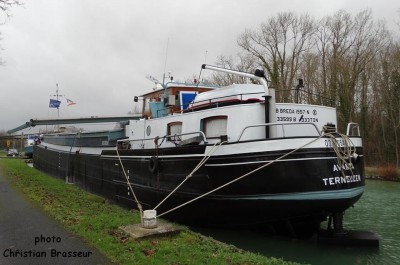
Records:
x=149, y=219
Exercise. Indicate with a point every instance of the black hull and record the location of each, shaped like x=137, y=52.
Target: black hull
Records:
x=302, y=188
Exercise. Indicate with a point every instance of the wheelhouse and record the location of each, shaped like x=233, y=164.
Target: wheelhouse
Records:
x=171, y=98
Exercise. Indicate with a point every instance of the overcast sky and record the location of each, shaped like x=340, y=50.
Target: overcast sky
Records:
x=99, y=52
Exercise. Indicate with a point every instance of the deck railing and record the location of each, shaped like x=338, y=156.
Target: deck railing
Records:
x=282, y=125
x=200, y=136
x=166, y=137
x=211, y=103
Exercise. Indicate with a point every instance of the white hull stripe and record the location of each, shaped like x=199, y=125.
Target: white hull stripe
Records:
x=229, y=149
x=82, y=150
x=225, y=164
x=268, y=161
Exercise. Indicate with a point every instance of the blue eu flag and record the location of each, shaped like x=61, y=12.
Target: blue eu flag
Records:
x=54, y=103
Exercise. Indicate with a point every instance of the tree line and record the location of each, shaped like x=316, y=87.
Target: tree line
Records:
x=351, y=62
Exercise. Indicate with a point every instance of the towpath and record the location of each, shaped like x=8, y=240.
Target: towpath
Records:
x=29, y=236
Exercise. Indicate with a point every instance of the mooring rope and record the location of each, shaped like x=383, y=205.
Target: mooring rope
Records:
x=213, y=149
x=129, y=185
x=346, y=152
x=240, y=177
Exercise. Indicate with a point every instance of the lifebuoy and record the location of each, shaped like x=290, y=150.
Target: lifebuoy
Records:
x=153, y=164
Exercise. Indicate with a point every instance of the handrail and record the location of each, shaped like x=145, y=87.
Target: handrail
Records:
x=203, y=136
x=276, y=124
x=353, y=126
x=204, y=103
x=326, y=99
x=210, y=101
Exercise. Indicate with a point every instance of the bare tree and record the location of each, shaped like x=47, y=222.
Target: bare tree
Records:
x=346, y=47
x=5, y=5
x=242, y=62
x=389, y=95
x=278, y=46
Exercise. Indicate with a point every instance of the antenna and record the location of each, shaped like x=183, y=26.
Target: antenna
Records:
x=166, y=57
x=152, y=79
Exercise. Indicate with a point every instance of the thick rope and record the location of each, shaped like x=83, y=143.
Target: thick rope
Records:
x=199, y=165
x=239, y=178
x=129, y=185
x=344, y=153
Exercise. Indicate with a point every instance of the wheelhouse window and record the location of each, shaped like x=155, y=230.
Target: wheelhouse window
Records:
x=186, y=97
x=174, y=128
x=214, y=127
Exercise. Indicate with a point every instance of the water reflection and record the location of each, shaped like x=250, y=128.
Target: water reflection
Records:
x=377, y=211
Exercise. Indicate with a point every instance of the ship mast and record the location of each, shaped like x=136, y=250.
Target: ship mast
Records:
x=57, y=97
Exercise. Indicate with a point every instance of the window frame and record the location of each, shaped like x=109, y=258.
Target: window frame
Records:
x=204, y=121
x=169, y=125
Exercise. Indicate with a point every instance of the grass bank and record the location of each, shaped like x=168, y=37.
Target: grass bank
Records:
x=95, y=221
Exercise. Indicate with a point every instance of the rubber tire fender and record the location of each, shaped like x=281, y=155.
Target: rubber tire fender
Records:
x=153, y=164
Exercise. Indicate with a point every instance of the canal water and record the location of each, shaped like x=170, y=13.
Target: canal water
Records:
x=378, y=210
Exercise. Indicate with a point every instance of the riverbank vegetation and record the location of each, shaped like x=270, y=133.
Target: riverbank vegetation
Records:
x=384, y=173
x=96, y=221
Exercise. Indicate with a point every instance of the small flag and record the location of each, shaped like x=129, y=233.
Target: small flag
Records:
x=70, y=102
x=54, y=103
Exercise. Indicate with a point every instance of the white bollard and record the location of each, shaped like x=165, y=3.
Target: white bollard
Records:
x=149, y=219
